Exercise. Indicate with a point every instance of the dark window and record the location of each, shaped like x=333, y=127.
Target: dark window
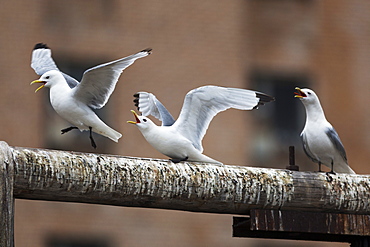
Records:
x=277, y=125
x=77, y=242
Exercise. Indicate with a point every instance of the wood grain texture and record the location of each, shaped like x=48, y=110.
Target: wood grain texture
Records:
x=149, y=183
x=6, y=196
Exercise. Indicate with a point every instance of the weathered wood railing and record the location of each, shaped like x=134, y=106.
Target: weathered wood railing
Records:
x=137, y=182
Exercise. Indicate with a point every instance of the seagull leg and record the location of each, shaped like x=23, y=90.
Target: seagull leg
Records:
x=93, y=144
x=68, y=129
x=332, y=168
x=320, y=166
x=179, y=160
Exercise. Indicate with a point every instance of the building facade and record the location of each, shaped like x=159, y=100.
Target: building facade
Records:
x=271, y=46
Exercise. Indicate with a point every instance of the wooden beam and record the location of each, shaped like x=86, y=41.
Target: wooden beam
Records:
x=149, y=183
x=6, y=196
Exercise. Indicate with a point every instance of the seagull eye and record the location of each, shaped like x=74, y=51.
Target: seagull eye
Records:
x=47, y=77
x=144, y=120
x=309, y=93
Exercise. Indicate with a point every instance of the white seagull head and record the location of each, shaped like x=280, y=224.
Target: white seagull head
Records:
x=49, y=79
x=307, y=96
x=143, y=123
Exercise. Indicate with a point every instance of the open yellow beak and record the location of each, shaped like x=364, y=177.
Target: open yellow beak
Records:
x=136, y=118
x=300, y=93
x=37, y=81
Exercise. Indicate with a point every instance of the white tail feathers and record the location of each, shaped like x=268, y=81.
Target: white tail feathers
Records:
x=343, y=168
x=108, y=132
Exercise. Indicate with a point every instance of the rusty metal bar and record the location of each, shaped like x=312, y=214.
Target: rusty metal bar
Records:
x=292, y=166
x=296, y=225
x=314, y=222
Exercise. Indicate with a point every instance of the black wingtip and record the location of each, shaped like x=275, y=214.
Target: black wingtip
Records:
x=41, y=46
x=264, y=98
x=147, y=50
x=136, y=100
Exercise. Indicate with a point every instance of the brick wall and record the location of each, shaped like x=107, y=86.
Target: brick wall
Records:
x=194, y=43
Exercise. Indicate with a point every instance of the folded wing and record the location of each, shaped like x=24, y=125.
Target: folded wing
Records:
x=306, y=148
x=334, y=138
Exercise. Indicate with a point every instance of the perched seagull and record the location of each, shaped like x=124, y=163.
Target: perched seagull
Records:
x=74, y=101
x=321, y=142
x=181, y=140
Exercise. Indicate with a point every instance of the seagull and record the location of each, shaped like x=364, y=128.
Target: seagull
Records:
x=321, y=142
x=74, y=101
x=181, y=140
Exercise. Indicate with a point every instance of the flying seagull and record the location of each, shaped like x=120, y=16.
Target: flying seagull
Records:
x=181, y=140
x=321, y=142
x=74, y=101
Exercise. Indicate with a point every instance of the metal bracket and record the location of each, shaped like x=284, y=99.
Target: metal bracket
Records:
x=297, y=225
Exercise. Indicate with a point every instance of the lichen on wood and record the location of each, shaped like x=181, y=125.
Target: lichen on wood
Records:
x=199, y=187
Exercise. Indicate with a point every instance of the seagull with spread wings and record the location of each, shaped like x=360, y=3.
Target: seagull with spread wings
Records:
x=74, y=101
x=181, y=140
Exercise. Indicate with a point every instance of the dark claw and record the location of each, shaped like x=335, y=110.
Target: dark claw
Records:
x=329, y=178
x=331, y=172
x=93, y=144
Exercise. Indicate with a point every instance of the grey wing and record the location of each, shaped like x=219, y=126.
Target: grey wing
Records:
x=306, y=148
x=334, y=138
x=203, y=103
x=41, y=62
x=98, y=83
x=148, y=104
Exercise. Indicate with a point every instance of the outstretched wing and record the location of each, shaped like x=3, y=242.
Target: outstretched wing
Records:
x=202, y=104
x=148, y=104
x=41, y=62
x=98, y=83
